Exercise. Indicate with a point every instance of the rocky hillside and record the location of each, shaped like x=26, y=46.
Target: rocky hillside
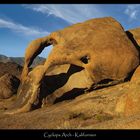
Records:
x=93, y=110
x=20, y=60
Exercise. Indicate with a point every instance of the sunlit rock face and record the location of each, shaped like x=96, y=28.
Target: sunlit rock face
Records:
x=85, y=56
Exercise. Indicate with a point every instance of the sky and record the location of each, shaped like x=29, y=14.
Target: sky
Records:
x=22, y=23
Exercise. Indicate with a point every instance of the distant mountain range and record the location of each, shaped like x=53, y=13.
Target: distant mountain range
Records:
x=20, y=60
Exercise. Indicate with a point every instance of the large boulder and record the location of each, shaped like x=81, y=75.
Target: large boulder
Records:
x=98, y=52
x=8, y=86
x=11, y=68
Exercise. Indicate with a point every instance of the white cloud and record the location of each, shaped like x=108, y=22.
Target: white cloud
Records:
x=133, y=11
x=71, y=13
x=16, y=27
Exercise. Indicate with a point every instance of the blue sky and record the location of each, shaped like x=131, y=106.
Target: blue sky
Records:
x=21, y=23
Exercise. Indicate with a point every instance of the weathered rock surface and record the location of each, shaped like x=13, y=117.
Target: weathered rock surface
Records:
x=102, y=36
x=97, y=109
x=128, y=103
x=136, y=75
x=8, y=86
x=11, y=68
x=99, y=50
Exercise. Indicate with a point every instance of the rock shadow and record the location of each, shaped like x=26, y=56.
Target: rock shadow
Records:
x=51, y=83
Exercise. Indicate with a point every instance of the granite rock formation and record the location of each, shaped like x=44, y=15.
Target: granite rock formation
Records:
x=87, y=56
